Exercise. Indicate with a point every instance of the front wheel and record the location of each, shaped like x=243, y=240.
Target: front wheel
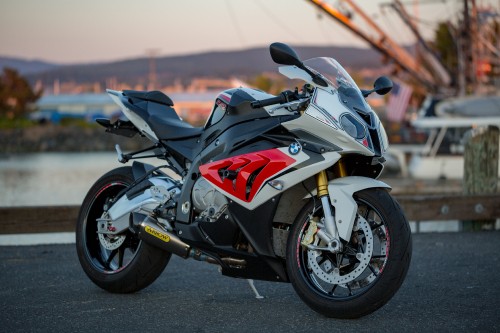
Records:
x=121, y=263
x=366, y=273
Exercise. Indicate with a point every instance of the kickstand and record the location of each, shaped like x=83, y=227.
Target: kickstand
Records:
x=257, y=295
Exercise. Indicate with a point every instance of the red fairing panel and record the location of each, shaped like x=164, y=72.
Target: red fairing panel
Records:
x=252, y=169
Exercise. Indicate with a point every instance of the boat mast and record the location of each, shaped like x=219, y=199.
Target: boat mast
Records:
x=383, y=42
x=439, y=71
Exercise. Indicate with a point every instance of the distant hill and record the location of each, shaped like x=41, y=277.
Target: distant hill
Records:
x=25, y=67
x=243, y=63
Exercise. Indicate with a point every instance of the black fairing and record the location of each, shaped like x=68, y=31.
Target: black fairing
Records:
x=217, y=238
x=184, y=150
x=237, y=110
x=230, y=142
x=222, y=232
x=239, y=124
x=256, y=224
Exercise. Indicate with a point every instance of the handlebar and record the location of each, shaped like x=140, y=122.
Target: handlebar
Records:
x=284, y=97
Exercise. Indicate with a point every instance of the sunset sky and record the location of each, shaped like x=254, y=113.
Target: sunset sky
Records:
x=68, y=31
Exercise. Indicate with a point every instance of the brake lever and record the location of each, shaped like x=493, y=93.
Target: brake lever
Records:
x=289, y=104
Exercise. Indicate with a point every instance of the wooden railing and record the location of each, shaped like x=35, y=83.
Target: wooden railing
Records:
x=21, y=220
x=24, y=220
x=450, y=207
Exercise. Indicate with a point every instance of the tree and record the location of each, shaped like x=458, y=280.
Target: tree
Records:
x=446, y=47
x=270, y=83
x=16, y=95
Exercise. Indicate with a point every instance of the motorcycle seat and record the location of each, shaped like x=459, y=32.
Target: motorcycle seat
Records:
x=160, y=115
x=172, y=128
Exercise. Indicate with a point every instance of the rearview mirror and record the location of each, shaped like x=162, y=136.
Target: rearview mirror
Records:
x=382, y=85
x=284, y=55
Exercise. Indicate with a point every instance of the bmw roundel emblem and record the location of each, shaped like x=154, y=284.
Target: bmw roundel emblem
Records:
x=294, y=148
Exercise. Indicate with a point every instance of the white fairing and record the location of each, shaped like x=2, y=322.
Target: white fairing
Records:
x=134, y=118
x=324, y=113
x=325, y=124
x=341, y=192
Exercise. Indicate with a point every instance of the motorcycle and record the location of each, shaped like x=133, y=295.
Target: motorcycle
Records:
x=277, y=188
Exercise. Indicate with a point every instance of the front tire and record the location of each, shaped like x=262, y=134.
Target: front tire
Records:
x=368, y=271
x=119, y=264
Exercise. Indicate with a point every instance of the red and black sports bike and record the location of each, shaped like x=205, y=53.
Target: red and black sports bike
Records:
x=278, y=188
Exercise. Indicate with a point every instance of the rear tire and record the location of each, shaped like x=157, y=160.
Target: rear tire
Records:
x=127, y=268
x=371, y=267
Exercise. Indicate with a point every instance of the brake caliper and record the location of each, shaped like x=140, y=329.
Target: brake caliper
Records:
x=311, y=232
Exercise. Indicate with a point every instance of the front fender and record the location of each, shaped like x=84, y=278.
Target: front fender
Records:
x=341, y=191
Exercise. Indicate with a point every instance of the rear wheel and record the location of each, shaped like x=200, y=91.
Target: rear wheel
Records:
x=366, y=273
x=121, y=263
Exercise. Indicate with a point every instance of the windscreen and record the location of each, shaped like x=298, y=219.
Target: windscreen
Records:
x=332, y=71
x=338, y=78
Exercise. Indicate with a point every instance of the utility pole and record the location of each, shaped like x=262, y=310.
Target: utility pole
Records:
x=152, y=54
x=474, y=26
x=467, y=45
x=462, y=66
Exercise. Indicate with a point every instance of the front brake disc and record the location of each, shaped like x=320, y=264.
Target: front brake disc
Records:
x=328, y=272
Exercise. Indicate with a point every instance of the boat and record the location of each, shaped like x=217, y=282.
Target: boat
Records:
x=442, y=155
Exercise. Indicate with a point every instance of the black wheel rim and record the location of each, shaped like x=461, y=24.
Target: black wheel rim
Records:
x=359, y=278
x=104, y=260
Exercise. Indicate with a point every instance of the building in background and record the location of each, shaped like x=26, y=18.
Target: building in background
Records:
x=192, y=107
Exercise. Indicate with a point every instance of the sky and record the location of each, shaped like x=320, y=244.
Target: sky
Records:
x=69, y=31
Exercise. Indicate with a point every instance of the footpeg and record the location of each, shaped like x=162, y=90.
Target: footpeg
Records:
x=121, y=158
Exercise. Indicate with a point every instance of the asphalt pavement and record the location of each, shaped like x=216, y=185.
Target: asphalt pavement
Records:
x=453, y=285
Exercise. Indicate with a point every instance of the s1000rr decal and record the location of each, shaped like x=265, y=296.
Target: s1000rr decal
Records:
x=242, y=176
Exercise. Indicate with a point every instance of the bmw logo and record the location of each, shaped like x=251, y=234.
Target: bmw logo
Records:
x=294, y=148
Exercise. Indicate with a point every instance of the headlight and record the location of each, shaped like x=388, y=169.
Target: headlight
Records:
x=352, y=126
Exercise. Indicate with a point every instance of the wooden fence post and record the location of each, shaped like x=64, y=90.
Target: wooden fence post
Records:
x=480, y=168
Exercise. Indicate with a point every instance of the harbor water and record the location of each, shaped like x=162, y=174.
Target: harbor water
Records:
x=53, y=179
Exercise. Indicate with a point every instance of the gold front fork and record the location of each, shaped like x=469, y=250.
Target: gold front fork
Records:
x=339, y=171
x=331, y=237
x=322, y=183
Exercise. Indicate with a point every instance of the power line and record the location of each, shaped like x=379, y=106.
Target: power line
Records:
x=324, y=25
x=395, y=30
x=277, y=20
x=235, y=23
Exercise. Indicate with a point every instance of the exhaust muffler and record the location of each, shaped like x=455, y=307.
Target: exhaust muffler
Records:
x=150, y=231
